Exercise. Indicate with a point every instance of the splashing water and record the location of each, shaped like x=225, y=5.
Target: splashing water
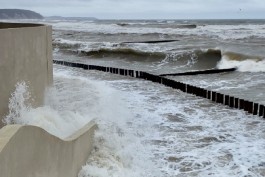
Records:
x=63, y=112
x=118, y=151
x=249, y=65
x=142, y=133
x=17, y=104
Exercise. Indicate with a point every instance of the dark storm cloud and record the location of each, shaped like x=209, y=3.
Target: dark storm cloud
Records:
x=144, y=8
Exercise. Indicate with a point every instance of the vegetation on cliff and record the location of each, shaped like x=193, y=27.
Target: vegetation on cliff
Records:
x=19, y=14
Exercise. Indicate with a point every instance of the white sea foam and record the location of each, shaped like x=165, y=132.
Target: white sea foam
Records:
x=246, y=65
x=192, y=137
x=96, y=46
x=146, y=129
x=82, y=44
x=53, y=116
x=217, y=31
x=183, y=135
x=224, y=32
x=71, y=103
x=17, y=104
x=232, y=31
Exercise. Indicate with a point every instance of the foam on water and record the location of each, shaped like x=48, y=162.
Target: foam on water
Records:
x=227, y=32
x=192, y=137
x=245, y=65
x=57, y=121
x=224, y=32
x=111, y=46
x=195, y=138
x=174, y=134
x=72, y=102
x=146, y=129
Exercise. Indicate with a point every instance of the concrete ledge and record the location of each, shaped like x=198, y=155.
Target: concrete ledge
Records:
x=29, y=151
x=17, y=25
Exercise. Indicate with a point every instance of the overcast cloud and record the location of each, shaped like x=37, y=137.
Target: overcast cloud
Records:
x=142, y=9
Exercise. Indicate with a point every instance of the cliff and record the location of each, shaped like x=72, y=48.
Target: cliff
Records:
x=19, y=14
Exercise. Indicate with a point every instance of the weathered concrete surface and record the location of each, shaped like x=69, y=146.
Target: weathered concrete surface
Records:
x=18, y=25
x=28, y=151
x=25, y=55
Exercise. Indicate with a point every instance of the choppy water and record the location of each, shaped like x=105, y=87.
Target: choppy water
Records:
x=146, y=129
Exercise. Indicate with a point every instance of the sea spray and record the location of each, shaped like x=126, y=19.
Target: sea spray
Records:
x=119, y=148
x=243, y=65
x=18, y=103
x=63, y=112
x=116, y=154
x=70, y=104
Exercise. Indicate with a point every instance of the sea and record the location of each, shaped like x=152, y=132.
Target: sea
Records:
x=146, y=129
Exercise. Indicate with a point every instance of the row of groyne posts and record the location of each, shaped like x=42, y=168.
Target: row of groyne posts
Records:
x=231, y=101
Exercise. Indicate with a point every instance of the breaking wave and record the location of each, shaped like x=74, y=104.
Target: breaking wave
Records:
x=121, y=52
x=140, y=52
x=244, y=63
x=198, y=59
x=63, y=112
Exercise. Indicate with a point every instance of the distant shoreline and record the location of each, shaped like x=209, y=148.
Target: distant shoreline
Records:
x=19, y=14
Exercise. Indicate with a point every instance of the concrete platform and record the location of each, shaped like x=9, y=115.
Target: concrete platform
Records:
x=29, y=151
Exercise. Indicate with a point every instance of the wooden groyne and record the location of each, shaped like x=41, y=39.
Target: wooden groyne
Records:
x=209, y=71
x=151, y=42
x=231, y=101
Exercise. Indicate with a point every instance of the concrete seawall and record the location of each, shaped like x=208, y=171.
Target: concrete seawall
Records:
x=28, y=151
x=25, y=55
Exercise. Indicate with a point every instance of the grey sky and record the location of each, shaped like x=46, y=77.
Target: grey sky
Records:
x=151, y=9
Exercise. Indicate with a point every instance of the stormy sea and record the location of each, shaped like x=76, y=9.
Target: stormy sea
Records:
x=146, y=129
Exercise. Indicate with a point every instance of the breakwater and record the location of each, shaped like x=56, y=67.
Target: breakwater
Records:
x=228, y=100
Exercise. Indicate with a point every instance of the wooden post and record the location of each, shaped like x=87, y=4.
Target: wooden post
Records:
x=261, y=110
x=236, y=103
x=189, y=89
x=231, y=102
x=246, y=105
x=241, y=105
x=204, y=93
x=250, y=107
x=209, y=96
x=222, y=98
x=137, y=74
x=255, y=111
x=214, y=96
x=227, y=100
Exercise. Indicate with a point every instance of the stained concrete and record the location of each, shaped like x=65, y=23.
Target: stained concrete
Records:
x=25, y=55
x=28, y=151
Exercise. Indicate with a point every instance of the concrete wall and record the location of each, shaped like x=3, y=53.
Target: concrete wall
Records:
x=25, y=55
x=28, y=151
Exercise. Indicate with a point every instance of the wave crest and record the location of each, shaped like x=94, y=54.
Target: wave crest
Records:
x=123, y=52
x=244, y=63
